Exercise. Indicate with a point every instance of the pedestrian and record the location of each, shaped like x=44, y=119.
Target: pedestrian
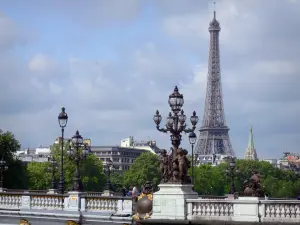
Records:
x=124, y=191
x=134, y=191
x=266, y=196
x=129, y=192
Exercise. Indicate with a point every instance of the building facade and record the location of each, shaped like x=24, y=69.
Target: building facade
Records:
x=122, y=156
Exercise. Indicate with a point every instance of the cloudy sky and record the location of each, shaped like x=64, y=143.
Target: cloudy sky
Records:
x=112, y=63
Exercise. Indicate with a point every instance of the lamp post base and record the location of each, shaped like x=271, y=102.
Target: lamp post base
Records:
x=107, y=193
x=52, y=191
x=170, y=201
x=2, y=189
x=77, y=185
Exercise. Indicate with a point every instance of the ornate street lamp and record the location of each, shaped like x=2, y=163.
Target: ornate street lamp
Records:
x=109, y=166
x=176, y=124
x=231, y=172
x=3, y=168
x=53, y=169
x=192, y=139
x=62, y=120
x=79, y=155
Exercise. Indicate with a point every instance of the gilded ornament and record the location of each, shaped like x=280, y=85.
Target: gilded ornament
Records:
x=24, y=222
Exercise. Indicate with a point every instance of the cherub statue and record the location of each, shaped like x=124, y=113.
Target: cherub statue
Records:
x=164, y=165
x=181, y=160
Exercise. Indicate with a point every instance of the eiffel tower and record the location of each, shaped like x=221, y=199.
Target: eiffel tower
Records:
x=213, y=143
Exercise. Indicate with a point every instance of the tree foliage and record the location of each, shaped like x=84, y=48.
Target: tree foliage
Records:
x=145, y=168
x=8, y=145
x=91, y=170
x=117, y=181
x=15, y=177
x=276, y=182
x=39, y=175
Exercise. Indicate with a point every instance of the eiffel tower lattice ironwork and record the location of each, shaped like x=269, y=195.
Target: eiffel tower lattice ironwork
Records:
x=214, y=136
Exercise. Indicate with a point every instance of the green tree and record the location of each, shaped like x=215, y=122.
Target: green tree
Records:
x=209, y=180
x=15, y=177
x=276, y=182
x=8, y=145
x=145, y=168
x=91, y=170
x=39, y=176
x=117, y=181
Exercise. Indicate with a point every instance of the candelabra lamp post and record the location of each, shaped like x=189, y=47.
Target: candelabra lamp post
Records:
x=176, y=186
x=52, y=169
x=176, y=124
x=231, y=172
x=192, y=139
x=62, y=120
x=108, y=170
x=78, y=155
x=3, y=168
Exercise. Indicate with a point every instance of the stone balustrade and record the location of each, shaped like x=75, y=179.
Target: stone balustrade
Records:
x=10, y=200
x=212, y=209
x=244, y=209
x=280, y=210
x=52, y=208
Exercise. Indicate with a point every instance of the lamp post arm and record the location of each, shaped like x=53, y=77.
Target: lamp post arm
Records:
x=163, y=130
x=188, y=130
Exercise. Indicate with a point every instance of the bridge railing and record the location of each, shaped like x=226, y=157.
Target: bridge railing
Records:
x=11, y=200
x=116, y=204
x=212, y=209
x=280, y=210
x=243, y=209
x=85, y=202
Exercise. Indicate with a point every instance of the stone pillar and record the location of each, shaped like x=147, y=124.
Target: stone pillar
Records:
x=246, y=209
x=73, y=201
x=25, y=202
x=169, y=203
x=124, y=207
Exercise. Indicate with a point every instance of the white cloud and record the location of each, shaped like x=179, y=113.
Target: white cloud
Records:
x=111, y=97
x=41, y=63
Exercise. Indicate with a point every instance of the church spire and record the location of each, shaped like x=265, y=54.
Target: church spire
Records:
x=250, y=153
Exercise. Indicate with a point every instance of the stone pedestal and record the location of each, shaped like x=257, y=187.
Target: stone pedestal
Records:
x=2, y=190
x=52, y=191
x=107, y=193
x=169, y=202
x=229, y=197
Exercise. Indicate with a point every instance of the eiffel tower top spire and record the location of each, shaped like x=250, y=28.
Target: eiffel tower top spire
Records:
x=214, y=25
x=250, y=153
